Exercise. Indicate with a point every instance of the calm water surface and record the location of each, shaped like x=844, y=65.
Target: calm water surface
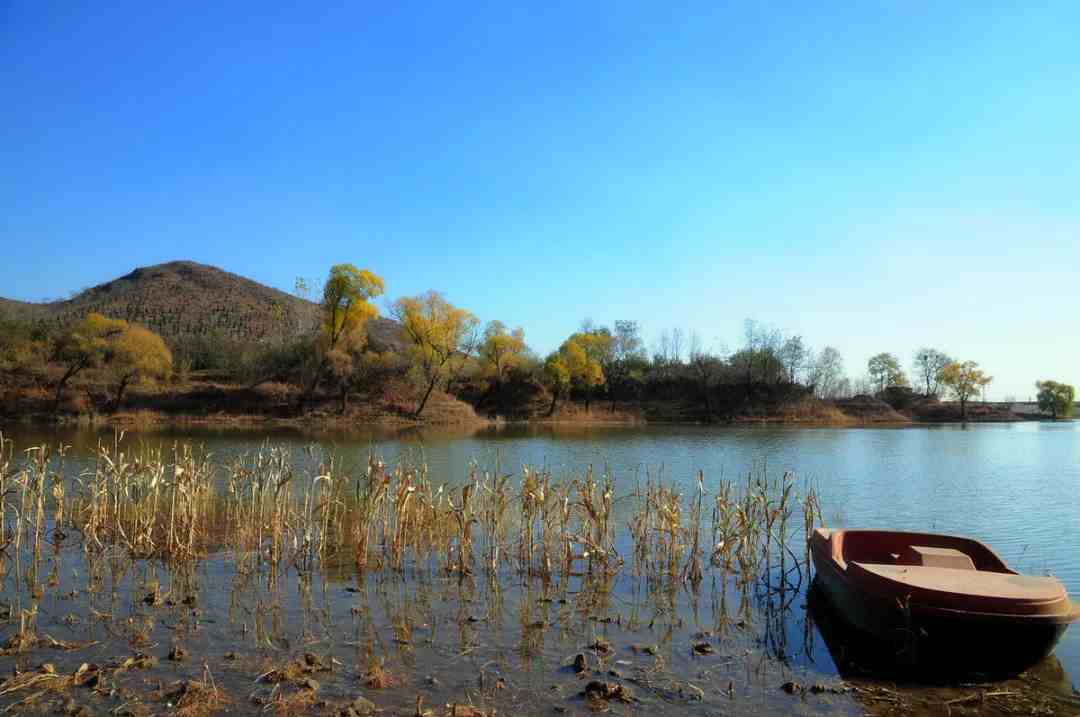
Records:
x=1013, y=486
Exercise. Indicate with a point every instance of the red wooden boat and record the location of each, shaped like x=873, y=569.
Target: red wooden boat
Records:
x=945, y=600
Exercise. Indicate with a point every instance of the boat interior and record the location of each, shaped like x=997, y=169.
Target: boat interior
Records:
x=876, y=547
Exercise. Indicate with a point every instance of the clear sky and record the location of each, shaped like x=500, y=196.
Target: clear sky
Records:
x=874, y=176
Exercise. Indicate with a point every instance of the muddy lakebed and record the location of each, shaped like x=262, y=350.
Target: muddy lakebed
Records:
x=229, y=573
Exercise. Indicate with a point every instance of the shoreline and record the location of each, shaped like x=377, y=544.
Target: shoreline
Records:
x=212, y=404
x=157, y=419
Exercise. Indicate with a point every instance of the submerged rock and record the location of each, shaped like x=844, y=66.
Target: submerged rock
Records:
x=600, y=646
x=599, y=690
x=314, y=663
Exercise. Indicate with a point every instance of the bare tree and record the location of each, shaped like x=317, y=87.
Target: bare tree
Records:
x=459, y=362
x=628, y=344
x=862, y=386
x=762, y=352
x=928, y=365
x=667, y=357
x=662, y=348
x=827, y=373
x=793, y=356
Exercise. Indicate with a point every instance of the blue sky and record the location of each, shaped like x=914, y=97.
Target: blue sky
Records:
x=877, y=178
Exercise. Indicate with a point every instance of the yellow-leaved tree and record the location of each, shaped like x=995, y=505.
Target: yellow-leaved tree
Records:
x=135, y=355
x=964, y=380
x=586, y=354
x=437, y=332
x=501, y=350
x=85, y=345
x=572, y=366
x=346, y=310
x=556, y=378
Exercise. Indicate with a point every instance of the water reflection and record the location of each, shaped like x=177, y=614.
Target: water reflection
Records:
x=884, y=677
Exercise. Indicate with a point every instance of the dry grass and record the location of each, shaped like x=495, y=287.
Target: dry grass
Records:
x=180, y=505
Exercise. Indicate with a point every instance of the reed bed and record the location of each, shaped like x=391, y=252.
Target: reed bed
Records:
x=142, y=514
x=181, y=504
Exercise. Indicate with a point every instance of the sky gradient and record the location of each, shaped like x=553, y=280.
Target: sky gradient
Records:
x=876, y=178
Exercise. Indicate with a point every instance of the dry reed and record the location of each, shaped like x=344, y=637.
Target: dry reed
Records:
x=180, y=505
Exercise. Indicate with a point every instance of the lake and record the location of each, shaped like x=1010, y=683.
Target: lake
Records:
x=1014, y=486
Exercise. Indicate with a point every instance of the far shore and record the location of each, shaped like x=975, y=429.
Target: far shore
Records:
x=229, y=409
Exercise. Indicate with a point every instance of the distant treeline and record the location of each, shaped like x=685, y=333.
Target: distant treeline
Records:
x=344, y=350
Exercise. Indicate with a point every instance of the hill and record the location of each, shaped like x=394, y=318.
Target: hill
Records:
x=181, y=300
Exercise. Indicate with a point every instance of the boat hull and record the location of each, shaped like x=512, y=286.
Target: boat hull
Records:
x=943, y=640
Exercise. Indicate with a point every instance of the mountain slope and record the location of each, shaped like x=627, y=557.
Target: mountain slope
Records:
x=183, y=299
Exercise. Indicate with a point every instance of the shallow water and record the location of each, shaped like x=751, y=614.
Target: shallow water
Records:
x=506, y=644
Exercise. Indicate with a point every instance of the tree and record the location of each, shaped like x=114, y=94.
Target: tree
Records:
x=23, y=345
x=463, y=366
x=1057, y=399
x=862, y=386
x=346, y=310
x=793, y=357
x=556, y=377
x=437, y=330
x=137, y=354
x=302, y=288
x=340, y=367
x=572, y=367
x=760, y=357
x=626, y=368
x=885, y=372
x=826, y=373
x=928, y=365
x=500, y=350
x=85, y=345
x=667, y=358
x=676, y=346
x=343, y=362
x=589, y=370
x=627, y=340
x=353, y=366
x=283, y=360
x=346, y=302
x=706, y=368
x=964, y=380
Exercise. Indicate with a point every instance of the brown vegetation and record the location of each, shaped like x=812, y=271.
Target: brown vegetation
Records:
x=179, y=506
x=868, y=409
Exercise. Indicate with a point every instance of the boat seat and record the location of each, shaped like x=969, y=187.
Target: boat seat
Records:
x=971, y=590
x=938, y=557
